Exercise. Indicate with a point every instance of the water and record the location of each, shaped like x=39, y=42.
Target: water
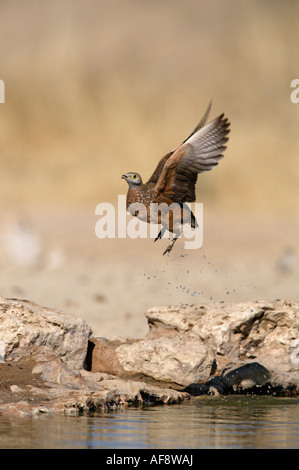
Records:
x=232, y=422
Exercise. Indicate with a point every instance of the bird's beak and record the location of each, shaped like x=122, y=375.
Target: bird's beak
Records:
x=124, y=177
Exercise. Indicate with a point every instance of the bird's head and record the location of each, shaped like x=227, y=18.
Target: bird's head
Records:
x=133, y=179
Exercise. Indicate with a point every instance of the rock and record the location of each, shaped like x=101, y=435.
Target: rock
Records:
x=248, y=378
x=16, y=389
x=56, y=372
x=20, y=409
x=262, y=330
x=245, y=376
x=60, y=389
x=186, y=345
x=51, y=364
x=164, y=359
x=216, y=386
x=169, y=360
x=104, y=356
x=29, y=330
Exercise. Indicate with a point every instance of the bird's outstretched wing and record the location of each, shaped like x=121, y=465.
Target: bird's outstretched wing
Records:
x=155, y=176
x=202, y=122
x=200, y=152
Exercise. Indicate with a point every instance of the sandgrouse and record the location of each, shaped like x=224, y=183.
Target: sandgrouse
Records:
x=162, y=198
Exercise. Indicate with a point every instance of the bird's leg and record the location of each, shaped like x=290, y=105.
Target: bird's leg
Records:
x=160, y=234
x=170, y=246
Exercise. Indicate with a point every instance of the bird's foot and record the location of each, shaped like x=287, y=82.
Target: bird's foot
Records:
x=170, y=246
x=168, y=249
x=160, y=234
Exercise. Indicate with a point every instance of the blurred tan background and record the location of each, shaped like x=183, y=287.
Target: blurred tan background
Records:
x=94, y=89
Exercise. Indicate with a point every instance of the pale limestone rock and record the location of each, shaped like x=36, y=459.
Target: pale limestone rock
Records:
x=29, y=330
x=167, y=359
x=266, y=331
x=189, y=343
x=16, y=389
x=61, y=389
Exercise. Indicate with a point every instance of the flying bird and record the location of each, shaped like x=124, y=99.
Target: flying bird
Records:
x=162, y=198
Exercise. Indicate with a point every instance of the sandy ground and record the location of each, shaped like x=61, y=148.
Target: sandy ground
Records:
x=55, y=259
x=91, y=93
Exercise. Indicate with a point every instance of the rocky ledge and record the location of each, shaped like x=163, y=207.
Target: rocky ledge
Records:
x=50, y=362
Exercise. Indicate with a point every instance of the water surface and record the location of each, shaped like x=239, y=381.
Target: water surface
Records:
x=232, y=422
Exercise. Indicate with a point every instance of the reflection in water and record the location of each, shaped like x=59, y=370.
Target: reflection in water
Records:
x=231, y=422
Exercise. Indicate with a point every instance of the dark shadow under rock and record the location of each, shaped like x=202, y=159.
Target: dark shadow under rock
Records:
x=250, y=378
x=245, y=376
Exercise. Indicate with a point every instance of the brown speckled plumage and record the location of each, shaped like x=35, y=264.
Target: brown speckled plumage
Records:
x=174, y=179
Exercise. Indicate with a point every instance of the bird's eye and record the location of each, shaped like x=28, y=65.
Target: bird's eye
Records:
x=134, y=177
